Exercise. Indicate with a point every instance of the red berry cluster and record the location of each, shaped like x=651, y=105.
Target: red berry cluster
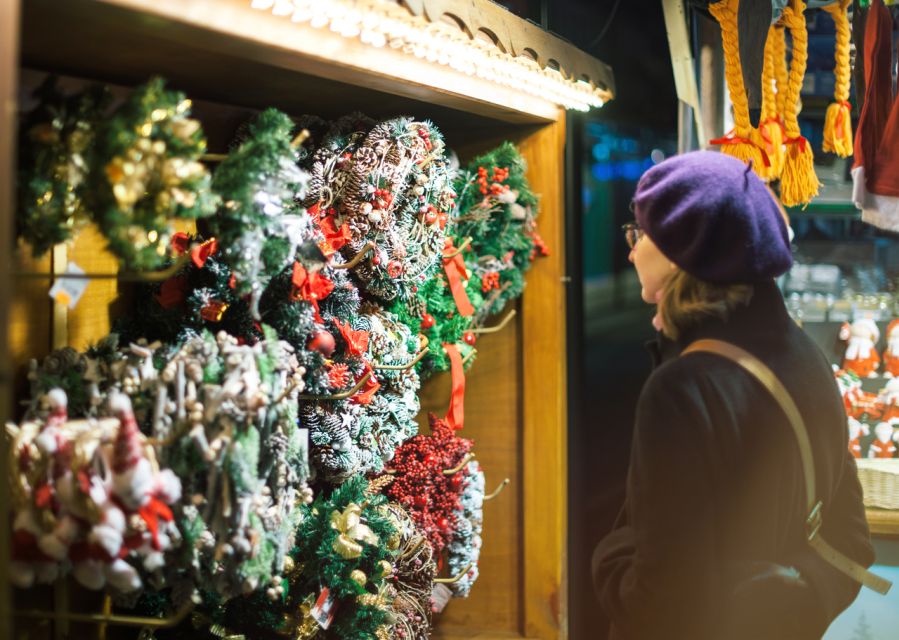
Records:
x=425, y=135
x=420, y=485
x=540, y=248
x=430, y=215
x=383, y=198
x=490, y=281
x=493, y=184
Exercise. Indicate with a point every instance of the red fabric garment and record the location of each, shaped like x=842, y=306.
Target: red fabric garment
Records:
x=876, y=171
x=878, y=86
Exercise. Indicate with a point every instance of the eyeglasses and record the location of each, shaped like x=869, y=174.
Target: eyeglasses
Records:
x=632, y=233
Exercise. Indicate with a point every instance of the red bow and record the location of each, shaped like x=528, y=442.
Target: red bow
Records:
x=199, y=254
x=311, y=287
x=455, y=273
x=369, y=389
x=151, y=513
x=335, y=237
x=357, y=341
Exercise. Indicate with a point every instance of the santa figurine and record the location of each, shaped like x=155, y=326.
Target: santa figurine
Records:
x=888, y=399
x=860, y=356
x=856, y=430
x=891, y=353
x=856, y=401
x=883, y=446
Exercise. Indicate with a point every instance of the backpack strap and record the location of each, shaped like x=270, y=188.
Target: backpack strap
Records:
x=758, y=370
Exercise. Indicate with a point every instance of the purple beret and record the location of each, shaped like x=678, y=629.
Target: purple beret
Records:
x=714, y=218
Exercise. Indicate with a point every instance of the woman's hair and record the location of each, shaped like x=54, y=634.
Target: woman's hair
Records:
x=686, y=300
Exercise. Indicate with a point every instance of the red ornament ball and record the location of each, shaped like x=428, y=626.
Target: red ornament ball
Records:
x=469, y=338
x=427, y=321
x=323, y=342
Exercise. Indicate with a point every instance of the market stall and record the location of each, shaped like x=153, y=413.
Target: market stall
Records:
x=469, y=76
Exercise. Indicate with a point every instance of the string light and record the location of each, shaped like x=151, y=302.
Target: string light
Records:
x=378, y=23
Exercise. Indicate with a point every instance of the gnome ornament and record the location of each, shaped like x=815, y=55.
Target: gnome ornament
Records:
x=856, y=430
x=891, y=353
x=883, y=446
x=860, y=356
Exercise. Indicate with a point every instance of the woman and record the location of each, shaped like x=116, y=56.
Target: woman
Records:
x=711, y=542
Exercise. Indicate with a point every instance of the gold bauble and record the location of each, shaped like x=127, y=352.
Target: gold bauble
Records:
x=358, y=577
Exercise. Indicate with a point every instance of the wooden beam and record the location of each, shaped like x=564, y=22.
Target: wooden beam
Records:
x=9, y=77
x=544, y=379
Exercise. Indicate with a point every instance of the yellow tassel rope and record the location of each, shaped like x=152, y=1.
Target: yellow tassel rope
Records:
x=781, y=75
x=771, y=127
x=744, y=142
x=799, y=184
x=838, y=121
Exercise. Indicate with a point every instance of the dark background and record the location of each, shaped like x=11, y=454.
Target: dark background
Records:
x=607, y=151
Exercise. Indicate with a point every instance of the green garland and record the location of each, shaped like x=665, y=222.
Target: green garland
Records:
x=55, y=148
x=260, y=223
x=148, y=173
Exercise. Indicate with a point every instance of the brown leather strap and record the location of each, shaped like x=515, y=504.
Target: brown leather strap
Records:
x=758, y=370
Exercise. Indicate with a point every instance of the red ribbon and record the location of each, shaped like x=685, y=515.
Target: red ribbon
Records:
x=730, y=138
x=357, y=341
x=370, y=388
x=801, y=141
x=455, y=272
x=455, y=417
x=311, y=287
x=838, y=123
x=335, y=237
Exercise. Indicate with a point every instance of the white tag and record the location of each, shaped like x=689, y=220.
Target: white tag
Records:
x=323, y=609
x=440, y=597
x=68, y=291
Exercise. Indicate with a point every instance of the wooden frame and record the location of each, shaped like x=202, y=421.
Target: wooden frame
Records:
x=223, y=51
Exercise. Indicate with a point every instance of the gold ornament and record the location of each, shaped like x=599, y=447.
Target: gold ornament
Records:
x=349, y=524
x=386, y=568
x=358, y=577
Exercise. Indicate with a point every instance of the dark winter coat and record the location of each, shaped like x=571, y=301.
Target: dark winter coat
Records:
x=715, y=484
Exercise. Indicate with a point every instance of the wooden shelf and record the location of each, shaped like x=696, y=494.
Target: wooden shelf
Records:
x=224, y=50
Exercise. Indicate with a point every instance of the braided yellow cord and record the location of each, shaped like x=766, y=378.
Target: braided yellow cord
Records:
x=781, y=76
x=838, y=121
x=769, y=128
x=746, y=141
x=799, y=184
x=725, y=12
